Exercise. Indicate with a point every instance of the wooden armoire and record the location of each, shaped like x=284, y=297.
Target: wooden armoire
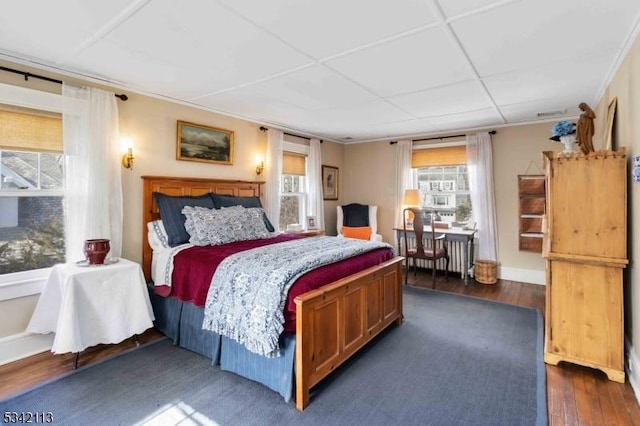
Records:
x=585, y=247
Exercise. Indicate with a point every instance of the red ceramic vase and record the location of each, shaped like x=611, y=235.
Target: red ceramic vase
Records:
x=96, y=250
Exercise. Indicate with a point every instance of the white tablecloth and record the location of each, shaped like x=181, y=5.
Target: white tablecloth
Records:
x=88, y=305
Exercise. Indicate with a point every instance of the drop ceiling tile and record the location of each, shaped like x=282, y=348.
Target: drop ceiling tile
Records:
x=454, y=98
x=108, y=60
x=328, y=27
x=206, y=37
x=49, y=35
x=259, y=108
x=530, y=33
x=454, y=8
x=395, y=130
x=314, y=87
x=528, y=111
x=467, y=120
x=367, y=112
x=578, y=78
x=415, y=62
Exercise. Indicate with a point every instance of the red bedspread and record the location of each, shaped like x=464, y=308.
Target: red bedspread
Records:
x=194, y=268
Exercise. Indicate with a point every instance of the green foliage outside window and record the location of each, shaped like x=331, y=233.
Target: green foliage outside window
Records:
x=41, y=246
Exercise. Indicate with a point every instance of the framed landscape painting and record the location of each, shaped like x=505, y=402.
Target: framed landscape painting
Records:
x=203, y=143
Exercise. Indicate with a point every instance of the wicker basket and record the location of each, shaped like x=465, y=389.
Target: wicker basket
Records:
x=486, y=271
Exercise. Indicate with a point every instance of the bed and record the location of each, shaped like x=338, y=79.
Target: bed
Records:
x=332, y=322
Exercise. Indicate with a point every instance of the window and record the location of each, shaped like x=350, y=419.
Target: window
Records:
x=445, y=189
x=443, y=180
x=293, y=188
x=292, y=204
x=31, y=190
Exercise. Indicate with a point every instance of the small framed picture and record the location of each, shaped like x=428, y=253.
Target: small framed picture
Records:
x=312, y=223
x=330, y=182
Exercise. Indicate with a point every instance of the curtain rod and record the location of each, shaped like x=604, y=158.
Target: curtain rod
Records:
x=264, y=129
x=26, y=75
x=491, y=132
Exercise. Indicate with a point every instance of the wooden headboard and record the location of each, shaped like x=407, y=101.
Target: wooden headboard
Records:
x=184, y=186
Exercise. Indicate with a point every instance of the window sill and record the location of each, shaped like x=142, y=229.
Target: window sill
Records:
x=13, y=286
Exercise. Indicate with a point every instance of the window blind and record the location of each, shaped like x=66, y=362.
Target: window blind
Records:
x=294, y=164
x=445, y=156
x=25, y=131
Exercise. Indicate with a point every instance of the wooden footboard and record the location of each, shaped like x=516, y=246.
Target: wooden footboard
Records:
x=335, y=321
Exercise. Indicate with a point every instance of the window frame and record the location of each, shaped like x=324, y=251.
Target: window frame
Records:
x=443, y=187
x=27, y=283
x=304, y=150
x=301, y=195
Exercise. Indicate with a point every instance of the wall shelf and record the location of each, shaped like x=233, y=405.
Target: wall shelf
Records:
x=532, y=200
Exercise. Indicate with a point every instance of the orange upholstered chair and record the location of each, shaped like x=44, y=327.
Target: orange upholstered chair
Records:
x=358, y=221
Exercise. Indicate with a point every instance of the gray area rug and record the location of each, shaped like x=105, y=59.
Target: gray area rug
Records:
x=455, y=361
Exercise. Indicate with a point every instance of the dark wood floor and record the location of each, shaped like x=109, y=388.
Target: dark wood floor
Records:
x=576, y=395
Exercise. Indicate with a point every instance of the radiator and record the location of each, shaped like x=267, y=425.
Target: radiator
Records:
x=456, y=251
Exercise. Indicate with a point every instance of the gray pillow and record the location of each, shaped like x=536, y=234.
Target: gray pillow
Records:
x=170, y=208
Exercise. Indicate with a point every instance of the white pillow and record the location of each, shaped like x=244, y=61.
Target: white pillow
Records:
x=210, y=227
x=157, y=235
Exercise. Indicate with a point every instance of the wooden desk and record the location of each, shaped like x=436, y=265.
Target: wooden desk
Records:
x=451, y=234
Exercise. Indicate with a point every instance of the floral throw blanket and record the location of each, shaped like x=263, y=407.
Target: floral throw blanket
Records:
x=249, y=289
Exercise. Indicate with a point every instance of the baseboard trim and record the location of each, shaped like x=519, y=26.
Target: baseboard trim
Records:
x=633, y=368
x=22, y=345
x=529, y=276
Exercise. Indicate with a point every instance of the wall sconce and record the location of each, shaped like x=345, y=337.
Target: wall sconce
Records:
x=127, y=158
x=260, y=168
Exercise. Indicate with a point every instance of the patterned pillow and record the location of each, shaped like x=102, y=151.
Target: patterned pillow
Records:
x=220, y=201
x=210, y=227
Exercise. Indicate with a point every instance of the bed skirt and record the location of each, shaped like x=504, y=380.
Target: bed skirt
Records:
x=181, y=322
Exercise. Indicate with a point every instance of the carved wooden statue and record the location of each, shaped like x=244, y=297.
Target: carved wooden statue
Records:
x=585, y=129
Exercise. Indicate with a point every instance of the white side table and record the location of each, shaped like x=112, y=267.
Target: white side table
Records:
x=89, y=305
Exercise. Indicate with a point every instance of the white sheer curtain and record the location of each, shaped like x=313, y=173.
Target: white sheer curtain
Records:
x=315, y=201
x=480, y=164
x=404, y=178
x=273, y=172
x=93, y=189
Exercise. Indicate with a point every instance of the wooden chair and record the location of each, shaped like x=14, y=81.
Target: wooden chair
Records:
x=430, y=254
